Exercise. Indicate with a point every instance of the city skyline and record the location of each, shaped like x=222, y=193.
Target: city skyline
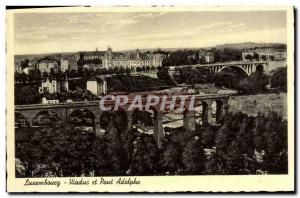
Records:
x=68, y=32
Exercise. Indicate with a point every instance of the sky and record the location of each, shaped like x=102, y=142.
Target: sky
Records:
x=69, y=32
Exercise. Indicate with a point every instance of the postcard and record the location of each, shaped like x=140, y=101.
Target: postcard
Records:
x=150, y=99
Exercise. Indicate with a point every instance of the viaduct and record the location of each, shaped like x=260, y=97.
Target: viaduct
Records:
x=244, y=66
x=64, y=110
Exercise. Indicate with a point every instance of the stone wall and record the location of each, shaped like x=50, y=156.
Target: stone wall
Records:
x=252, y=104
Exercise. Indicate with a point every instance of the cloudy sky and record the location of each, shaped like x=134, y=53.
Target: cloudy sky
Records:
x=63, y=32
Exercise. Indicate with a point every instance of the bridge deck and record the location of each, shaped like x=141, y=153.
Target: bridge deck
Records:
x=223, y=63
x=96, y=103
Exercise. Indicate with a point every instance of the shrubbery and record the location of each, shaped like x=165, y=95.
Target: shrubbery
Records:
x=279, y=78
x=240, y=145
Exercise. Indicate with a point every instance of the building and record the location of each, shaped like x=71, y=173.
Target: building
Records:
x=209, y=57
x=97, y=87
x=46, y=100
x=89, y=55
x=90, y=59
x=64, y=64
x=109, y=59
x=280, y=55
x=264, y=54
x=47, y=65
x=131, y=60
x=206, y=56
x=53, y=86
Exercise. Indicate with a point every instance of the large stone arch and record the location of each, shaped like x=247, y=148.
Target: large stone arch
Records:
x=87, y=117
x=119, y=117
x=238, y=67
x=46, y=117
x=21, y=121
x=147, y=118
x=259, y=67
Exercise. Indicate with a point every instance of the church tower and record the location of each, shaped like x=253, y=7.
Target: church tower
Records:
x=137, y=54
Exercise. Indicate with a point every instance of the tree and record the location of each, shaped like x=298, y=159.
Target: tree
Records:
x=163, y=75
x=26, y=95
x=58, y=151
x=145, y=156
x=244, y=137
x=24, y=63
x=171, y=159
x=193, y=157
x=208, y=137
x=279, y=78
x=223, y=138
x=117, y=161
x=234, y=159
x=275, y=143
x=256, y=82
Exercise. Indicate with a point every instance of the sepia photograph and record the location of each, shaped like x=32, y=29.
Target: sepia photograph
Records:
x=152, y=99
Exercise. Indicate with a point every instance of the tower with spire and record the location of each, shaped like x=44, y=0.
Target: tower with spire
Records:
x=137, y=53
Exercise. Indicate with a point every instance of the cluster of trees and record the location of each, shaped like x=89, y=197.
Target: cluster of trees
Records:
x=27, y=95
x=35, y=75
x=193, y=76
x=240, y=145
x=181, y=57
x=247, y=144
x=230, y=78
x=128, y=83
x=279, y=78
x=255, y=56
x=163, y=74
x=227, y=54
x=256, y=82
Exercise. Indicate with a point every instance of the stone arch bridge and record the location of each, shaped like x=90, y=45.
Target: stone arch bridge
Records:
x=247, y=67
x=64, y=110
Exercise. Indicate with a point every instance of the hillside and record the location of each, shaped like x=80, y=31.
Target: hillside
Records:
x=248, y=45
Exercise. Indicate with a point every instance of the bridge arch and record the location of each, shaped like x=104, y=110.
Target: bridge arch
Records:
x=259, y=68
x=118, y=117
x=81, y=117
x=236, y=68
x=45, y=118
x=144, y=117
x=21, y=121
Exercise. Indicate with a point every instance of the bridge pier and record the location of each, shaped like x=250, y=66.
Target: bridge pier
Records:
x=207, y=114
x=129, y=119
x=97, y=129
x=224, y=110
x=189, y=121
